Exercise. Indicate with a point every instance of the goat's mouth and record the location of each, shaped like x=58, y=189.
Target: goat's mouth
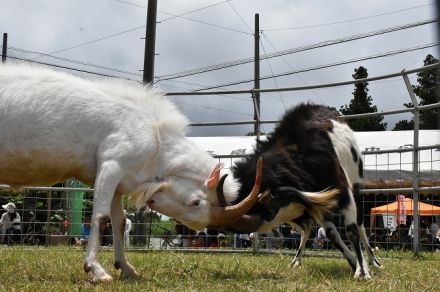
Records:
x=225, y=215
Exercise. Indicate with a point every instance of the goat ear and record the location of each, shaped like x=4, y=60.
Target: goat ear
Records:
x=212, y=181
x=159, y=187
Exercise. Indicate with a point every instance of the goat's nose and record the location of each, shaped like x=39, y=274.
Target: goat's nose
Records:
x=150, y=202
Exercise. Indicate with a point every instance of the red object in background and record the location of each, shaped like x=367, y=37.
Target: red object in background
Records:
x=401, y=211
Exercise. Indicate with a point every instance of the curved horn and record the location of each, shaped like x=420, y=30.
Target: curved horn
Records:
x=246, y=224
x=222, y=216
x=220, y=195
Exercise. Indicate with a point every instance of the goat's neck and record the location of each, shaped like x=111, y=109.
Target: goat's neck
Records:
x=181, y=157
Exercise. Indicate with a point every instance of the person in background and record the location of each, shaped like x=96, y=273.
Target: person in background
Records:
x=321, y=238
x=10, y=225
x=200, y=240
x=85, y=232
x=244, y=240
x=219, y=241
x=127, y=230
x=437, y=240
x=222, y=241
x=185, y=233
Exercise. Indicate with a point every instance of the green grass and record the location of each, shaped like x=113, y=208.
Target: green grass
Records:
x=60, y=269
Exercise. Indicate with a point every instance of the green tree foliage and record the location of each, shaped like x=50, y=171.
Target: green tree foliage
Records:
x=362, y=103
x=428, y=92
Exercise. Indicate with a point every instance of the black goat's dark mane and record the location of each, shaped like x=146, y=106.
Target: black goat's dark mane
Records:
x=298, y=154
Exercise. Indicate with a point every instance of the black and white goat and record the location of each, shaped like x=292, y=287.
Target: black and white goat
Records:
x=312, y=149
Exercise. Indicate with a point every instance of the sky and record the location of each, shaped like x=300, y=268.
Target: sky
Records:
x=107, y=36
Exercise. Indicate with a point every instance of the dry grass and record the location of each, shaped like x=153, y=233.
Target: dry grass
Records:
x=60, y=269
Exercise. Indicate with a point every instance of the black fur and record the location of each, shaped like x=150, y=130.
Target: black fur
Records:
x=354, y=153
x=298, y=155
x=361, y=168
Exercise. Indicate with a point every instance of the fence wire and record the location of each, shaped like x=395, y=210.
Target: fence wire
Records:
x=392, y=201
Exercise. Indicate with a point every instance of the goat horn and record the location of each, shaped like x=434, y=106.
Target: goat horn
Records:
x=220, y=195
x=226, y=215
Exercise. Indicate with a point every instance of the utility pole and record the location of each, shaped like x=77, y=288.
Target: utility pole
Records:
x=142, y=233
x=4, y=47
x=150, y=42
x=256, y=95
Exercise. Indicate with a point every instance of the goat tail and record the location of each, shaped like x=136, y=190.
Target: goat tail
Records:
x=321, y=203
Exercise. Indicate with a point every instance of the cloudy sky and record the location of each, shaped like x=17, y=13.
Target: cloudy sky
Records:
x=197, y=33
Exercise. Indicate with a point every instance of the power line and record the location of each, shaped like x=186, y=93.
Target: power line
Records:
x=192, y=11
x=241, y=18
x=291, y=68
x=69, y=68
x=207, y=23
x=386, y=54
x=96, y=40
x=193, y=84
x=349, y=20
x=274, y=79
x=75, y=61
x=131, y=4
x=292, y=50
x=143, y=26
x=173, y=16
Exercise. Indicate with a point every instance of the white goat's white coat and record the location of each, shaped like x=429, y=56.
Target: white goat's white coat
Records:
x=118, y=136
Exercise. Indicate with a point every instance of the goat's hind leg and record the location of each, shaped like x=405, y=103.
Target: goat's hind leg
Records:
x=118, y=226
x=372, y=260
x=350, y=213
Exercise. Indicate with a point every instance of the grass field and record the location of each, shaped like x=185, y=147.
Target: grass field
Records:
x=60, y=269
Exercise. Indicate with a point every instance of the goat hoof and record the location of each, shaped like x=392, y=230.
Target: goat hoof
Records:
x=128, y=271
x=294, y=264
x=102, y=278
x=362, y=275
x=130, y=274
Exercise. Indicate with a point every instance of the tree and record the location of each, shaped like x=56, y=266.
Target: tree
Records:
x=428, y=92
x=362, y=103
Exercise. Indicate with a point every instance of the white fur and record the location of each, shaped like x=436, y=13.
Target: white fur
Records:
x=342, y=138
x=118, y=136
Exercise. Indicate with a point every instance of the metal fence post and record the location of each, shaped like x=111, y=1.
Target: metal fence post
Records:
x=415, y=174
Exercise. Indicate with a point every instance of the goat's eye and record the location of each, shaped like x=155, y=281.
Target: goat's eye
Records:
x=194, y=203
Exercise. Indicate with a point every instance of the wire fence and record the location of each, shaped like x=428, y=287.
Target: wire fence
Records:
x=401, y=201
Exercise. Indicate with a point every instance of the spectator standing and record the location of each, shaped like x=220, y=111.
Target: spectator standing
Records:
x=85, y=232
x=185, y=233
x=10, y=225
x=244, y=240
x=321, y=238
x=127, y=230
x=200, y=240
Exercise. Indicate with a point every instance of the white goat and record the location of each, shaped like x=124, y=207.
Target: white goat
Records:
x=120, y=137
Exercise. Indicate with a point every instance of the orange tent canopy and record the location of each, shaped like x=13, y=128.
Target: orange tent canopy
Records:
x=424, y=209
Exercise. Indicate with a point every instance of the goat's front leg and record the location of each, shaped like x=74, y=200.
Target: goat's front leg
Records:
x=109, y=175
x=332, y=233
x=118, y=225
